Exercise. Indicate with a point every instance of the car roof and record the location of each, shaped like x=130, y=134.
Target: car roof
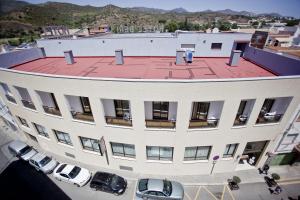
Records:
x=155, y=185
x=67, y=169
x=102, y=177
x=17, y=145
x=38, y=157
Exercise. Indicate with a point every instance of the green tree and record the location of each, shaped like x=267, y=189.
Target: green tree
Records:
x=292, y=22
x=224, y=26
x=234, y=26
x=171, y=26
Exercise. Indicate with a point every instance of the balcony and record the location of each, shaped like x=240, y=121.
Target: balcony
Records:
x=118, y=121
x=160, y=123
x=83, y=116
x=28, y=104
x=209, y=123
x=10, y=98
x=52, y=110
x=268, y=118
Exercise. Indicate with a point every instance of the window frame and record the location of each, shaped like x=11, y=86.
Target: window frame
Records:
x=92, y=147
x=213, y=46
x=160, y=158
x=195, y=157
x=121, y=108
x=63, y=141
x=227, y=154
x=85, y=104
x=198, y=107
x=23, y=121
x=122, y=154
x=157, y=113
x=43, y=133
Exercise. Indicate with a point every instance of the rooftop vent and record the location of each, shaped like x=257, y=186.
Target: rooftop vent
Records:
x=188, y=56
x=119, y=57
x=234, y=57
x=179, y=56
x=69, y=57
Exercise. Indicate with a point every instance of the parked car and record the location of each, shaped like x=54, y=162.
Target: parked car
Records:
x=270, y=181
x=159, y=189
x=43, y=163
x=72, y=174
x=21, y=150
x=108, y=182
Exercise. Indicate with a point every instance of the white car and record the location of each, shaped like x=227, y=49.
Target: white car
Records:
x=21, y=150
x=72, y=174
x=43, y=163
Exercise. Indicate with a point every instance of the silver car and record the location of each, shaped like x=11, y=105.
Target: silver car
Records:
x=21, y=150
x=43, y=163
x=159, y=189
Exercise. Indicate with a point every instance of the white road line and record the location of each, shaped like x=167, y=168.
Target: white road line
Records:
x=188, y=196
x=197, y=194
x=229, y=190
x=223, y=192
x=210, y=193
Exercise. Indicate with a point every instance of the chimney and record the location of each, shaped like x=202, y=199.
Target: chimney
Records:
x=69, y=57
x=119, y=57
x=234, y=57
x=179, y=56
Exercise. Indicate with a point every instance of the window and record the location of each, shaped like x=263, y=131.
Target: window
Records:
x=230, y=150
x=160, y=110
x=242, y=107
x=290, y=139
x=23, y=121
x=188, y=47
x=63, y=137
x=197, y=153
x=90, y=144
x=86, y=107
x=124, y=150
x=41, y=130
x=8, y=94
x=216, y=46
x=267, y=106
x=122, y=108
x=200, y=110
x=159, y=153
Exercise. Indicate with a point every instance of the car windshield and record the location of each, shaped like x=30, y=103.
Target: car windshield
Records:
x=45, y=161
x=143, y=185
x=61, y=168
x=114, y=181
x=25, y=150
x=75, y=171
x=167, y=187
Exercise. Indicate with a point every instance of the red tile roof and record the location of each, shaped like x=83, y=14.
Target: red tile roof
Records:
x=145, y=68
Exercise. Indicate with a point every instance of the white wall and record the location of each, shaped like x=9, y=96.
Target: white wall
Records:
x=109, y=107
x=74, y=103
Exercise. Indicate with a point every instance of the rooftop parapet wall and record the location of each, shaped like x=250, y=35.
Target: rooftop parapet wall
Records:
x=278, y=64
x=10, y=59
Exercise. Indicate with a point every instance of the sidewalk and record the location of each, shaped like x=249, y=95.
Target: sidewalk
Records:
x=286, y=172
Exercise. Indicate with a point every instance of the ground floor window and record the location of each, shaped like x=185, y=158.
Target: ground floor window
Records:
x=63, y=137
x=124, y=150
x=197, y=153
x=90, y=144
x=230, y=150
x=159, y=153
x=23, y=121
x=41, y=130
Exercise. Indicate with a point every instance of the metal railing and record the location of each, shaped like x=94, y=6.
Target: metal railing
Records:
x=262, y=119
x=155, y=123
x=118, y=121
x=203, y=123
x=52, y=110
x=83, y=116
x=240, y=120
x=28, y=104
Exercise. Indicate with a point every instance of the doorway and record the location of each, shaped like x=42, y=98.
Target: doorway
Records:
x=240, y=45
x=253, y=151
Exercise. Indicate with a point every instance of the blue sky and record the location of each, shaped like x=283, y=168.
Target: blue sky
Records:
x=284, y=7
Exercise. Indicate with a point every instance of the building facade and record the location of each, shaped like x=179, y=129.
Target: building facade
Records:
x=155, y=117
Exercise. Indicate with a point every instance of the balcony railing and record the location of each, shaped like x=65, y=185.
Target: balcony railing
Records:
x=10, y=98
x=265, y=119
x=118, y=121
x=28, y=104
x=52, y=110
x=154, y=123
x=240, y=120
x=83, y=116
x=203, y=123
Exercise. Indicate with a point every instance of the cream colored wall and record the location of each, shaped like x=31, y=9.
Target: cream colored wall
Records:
x=137, y=92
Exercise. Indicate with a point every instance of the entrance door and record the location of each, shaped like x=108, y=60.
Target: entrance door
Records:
x=254, y=150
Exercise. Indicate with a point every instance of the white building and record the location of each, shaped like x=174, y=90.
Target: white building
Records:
x=158, y=113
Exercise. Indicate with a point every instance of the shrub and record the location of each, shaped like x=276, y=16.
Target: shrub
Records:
x=275, y=176
x=236, y=179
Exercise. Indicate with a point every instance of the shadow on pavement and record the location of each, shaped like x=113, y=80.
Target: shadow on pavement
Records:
x=21, y=181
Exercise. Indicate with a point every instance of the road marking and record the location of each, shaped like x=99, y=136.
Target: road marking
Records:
x=188, y=196
x=197, y=194
x=223, y=192
x=229, y=190
x=133, y=196
x=289, y=182
x=210, y=193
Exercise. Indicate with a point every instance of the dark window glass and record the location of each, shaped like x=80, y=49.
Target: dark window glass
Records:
x=216, y=45
x=197, y=153
x=267, y=106
x=159, y=153
x=122, y=108
x=90, y=144
x=86, y=107
x=63, y=137
x=41, y=130
x=160, y=110
x=230, y=150
x=75, y=171
x=23, y=121
x=124, y=150
x=242, y=107
x=200, y=110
